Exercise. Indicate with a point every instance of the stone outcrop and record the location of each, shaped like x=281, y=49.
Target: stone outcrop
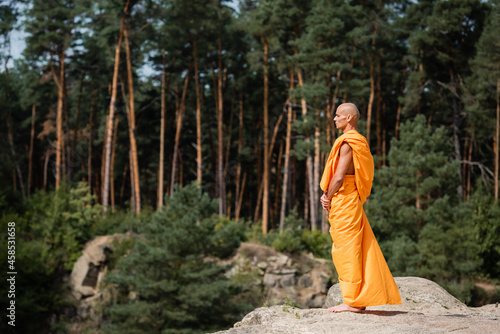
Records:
x=426, y=308
x=90, y=267
x=417, y=294
x=302, y=279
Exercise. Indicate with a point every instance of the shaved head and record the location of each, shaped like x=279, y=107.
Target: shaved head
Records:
x=346, y=117
x=349, y=109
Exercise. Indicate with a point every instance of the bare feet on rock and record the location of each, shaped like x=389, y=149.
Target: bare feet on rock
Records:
x=345, y=308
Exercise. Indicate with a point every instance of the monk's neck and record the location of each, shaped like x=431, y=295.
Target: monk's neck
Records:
x=349, y=127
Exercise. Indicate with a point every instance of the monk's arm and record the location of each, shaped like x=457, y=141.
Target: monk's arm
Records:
x=337, y=179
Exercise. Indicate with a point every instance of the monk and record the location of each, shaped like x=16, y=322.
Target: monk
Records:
x=364, y=277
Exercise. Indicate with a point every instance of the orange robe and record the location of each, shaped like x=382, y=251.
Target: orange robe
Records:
x=364, y=277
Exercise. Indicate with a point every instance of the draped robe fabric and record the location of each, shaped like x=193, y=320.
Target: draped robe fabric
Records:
x=364, y=277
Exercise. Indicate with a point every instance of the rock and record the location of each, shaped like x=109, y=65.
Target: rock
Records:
x=271, y=280
x=305, y=281
x=281, y=260
x=417, y=294
x=426, y=308
x=262, y=265
x=89, y=269
x=287, y=280
x=288, y=320
x=280, y=276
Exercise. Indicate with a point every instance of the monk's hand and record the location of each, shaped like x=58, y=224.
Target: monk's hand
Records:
x=325, y=202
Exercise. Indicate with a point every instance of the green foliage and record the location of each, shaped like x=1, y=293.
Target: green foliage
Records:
x=117, y=222
x=423, y=229
x=173, y=272
x=63, y=219
x=50, y=235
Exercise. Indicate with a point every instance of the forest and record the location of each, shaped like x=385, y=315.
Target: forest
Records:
x=208, y=123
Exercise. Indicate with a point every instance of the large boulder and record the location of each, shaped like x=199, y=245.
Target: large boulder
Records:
x=299, y=278
x=90, y=267
x=426, y=308
x=417, y=294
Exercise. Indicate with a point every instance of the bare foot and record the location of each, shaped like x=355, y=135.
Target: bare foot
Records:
x=345, y=308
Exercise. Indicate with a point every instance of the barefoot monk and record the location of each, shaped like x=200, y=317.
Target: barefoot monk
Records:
x=364, y=277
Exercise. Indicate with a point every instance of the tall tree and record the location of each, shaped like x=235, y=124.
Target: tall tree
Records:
x=110, y=120
x=49, y=27
x=132, y=126
x=444, y=48
x=484, y=81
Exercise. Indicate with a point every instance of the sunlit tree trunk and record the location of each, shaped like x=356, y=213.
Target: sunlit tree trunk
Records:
x=59, y=119
x=132, y=181
x=178, y=130
x=132, y=129
x=378, y=116
x=112, y=169
x=309, y=169
x=278, y=181
x=220, y=137
x=265, y=197
x=199, y=160
x=287, y=156
x=370, y=101
x=110, y=120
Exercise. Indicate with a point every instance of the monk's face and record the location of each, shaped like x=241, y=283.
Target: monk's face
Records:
x=341, y=118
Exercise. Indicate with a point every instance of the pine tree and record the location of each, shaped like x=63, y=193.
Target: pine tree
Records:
x=167, y=283
x=483, y=105
x=409, y=193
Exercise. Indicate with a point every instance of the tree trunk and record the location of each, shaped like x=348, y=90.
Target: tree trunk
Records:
x=162, y=137
x=132, y=129
x=317, y=155
x=398, y=113
x=75, y=134
x=199, y=160
x=229, y=137
x=497, y=138
x=333, y=105
x=259, y=201
x=277, y=183
x=378, y=116
x=60, y=138
x=220, y=137
x=309, y=167
x=110, y=121
x=370, y=101
x=124, y=179
x=238, y=167
x=45, y=170
x=32, y=142
x=132, y=181
x=112, y=169
x=287, y=156
x=178, y=130
x=456, y=137
x=240, y=197
x=91, y=133
x=265, y=197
